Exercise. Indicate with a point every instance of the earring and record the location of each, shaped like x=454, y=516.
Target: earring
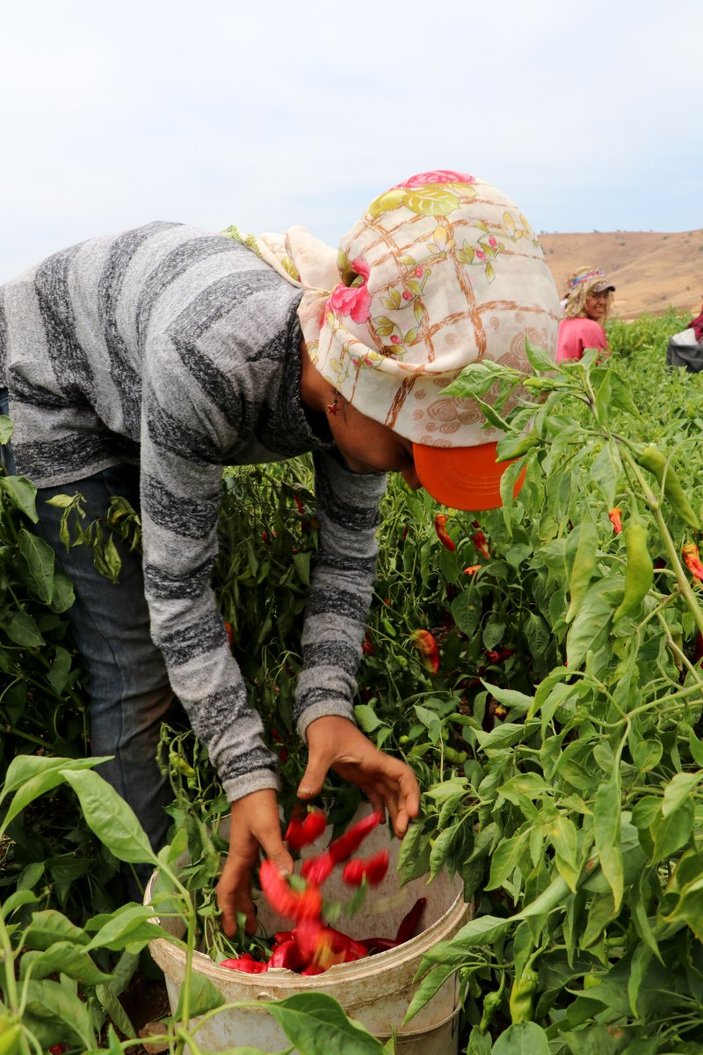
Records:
x=333, y=407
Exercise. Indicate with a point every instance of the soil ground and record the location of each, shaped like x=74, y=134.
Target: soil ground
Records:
x=652, y=271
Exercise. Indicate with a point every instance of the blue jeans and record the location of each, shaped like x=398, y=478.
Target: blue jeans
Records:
x=129, y=690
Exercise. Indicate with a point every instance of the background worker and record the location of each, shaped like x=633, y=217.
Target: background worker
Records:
x=586, y=306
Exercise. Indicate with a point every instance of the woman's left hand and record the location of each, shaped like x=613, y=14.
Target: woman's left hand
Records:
x=336, y=743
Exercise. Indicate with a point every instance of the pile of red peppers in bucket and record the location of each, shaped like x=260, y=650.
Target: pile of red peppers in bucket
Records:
x=312, y=946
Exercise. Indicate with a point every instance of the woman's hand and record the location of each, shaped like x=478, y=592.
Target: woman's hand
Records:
x=336, y=743
x=254, y=823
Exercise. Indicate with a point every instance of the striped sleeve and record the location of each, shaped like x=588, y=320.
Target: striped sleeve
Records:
x=181, y=489
x=340, y=590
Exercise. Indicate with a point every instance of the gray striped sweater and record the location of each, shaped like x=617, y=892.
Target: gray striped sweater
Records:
x=179, y=350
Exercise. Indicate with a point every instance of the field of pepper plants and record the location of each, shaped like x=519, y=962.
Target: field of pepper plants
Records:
x=538, y=665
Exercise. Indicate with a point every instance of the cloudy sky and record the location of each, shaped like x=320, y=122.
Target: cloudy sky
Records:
x=274, y=113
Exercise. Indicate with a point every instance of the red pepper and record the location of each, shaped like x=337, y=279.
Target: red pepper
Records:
x=321, y=946
x=282, y=936
x=480, y=542
x=410, y=923
x=425, y=642
x=472, y=569
x=372, y=869
x=317, y=869
x=298, y=905
x=498, y=655
x=367, y=646
x=692, y=560
x=440, y=526
x=245, y=963
x=299, y=504
x=303, y=832
x=615, y=518
x=286, y=955
x=230, y=633
x=343, y=847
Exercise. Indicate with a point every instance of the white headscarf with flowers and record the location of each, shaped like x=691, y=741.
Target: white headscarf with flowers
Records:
x=442, y=270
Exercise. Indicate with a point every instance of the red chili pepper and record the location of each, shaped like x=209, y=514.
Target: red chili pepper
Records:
x=480, y=542
x=286, y=955
x=372, y=869
x=425, y=642
x=692, y=560
x=317, y=869
x=230, y=633
x=367, y=646
x=472, y=569
x=498, y=655
x=321, y=946
x=245, y=963
x=615, y=518
x=298, y=905
x=301, y=833
x=299, y=504
x=440, y=526
x=282, y=936
x=343, y=847
x=410, y=923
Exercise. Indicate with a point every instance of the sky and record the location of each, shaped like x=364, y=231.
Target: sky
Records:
x=271, y=114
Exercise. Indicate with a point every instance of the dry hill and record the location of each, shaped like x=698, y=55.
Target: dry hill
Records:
x=651, y=270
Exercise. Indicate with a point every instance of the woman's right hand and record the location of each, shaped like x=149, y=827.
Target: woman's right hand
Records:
x=254, y=826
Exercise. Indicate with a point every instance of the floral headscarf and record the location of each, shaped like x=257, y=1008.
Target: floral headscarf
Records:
x=442, y=270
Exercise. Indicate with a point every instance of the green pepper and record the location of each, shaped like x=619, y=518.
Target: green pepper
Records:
x=657, y=463
x=639, y=571
x=522, y=997
x=490, y=1006
x=10, y=1033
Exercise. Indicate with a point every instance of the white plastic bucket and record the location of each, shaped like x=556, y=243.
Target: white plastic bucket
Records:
x=375, y=991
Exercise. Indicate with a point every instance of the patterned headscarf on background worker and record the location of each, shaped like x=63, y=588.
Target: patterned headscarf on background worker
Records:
x=442, y=270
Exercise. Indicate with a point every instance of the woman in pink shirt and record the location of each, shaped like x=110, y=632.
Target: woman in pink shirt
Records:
x=587, y=306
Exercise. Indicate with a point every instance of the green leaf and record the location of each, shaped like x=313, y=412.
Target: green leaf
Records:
x=49, y=927
x=23, y=630
x=606, y=472
x=22, y=494
x=525, y=1038
x=55, y=1013
x=40, y=560
x=130, y=925
x=484, y=930
x=538, y=358
x=466, y=612
x=110, y=818
x=413, y=856
x=63, y=596
x=678, y=791
x=583, y=543
x=672, y=833
x=6, y=428
x=63, y=957
x=442, y=847
x=606, y=829
x=431, y=983
x=33, y=775
x=316, y=1025
x=590, y=628
x=204, y=996
x=511, y=698
x=366, y=718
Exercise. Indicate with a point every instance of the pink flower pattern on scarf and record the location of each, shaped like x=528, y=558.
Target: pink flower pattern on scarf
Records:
x=354, y=301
